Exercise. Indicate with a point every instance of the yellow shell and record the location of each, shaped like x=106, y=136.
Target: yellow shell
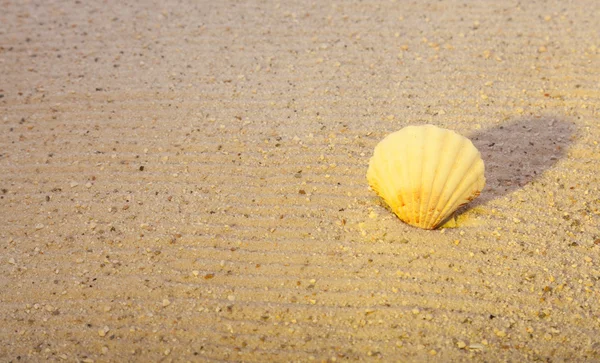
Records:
x=425, y=173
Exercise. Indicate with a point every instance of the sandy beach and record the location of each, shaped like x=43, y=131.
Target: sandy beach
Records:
x=185, y=181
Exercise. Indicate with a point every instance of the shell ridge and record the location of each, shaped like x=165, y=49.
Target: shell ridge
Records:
x=416, y=193
x=404, y=176
x=461, y=189
x=400, y=210
x=458, y=190
x=460, y=198
x=423, y=171
x=428, y=215
x=422, y=191
x=442, y=201
x=428, y=175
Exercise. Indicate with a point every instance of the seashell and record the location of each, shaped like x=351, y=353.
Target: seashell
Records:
x=425, y=173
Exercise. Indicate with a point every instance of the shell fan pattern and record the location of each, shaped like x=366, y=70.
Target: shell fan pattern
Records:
x=425, y=173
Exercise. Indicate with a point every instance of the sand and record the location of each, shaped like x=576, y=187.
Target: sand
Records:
x=185, y=181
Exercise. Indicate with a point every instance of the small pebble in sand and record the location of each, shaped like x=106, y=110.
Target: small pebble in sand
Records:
x=166, y=303
x=461, y=345
x=39, y=226
x=102, y=332
x=74, y=184
x=231, y=298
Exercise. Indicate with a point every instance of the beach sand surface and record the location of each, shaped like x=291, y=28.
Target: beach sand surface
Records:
x=185, y=181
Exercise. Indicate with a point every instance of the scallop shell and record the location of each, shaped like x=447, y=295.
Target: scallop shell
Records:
x=425, y=173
